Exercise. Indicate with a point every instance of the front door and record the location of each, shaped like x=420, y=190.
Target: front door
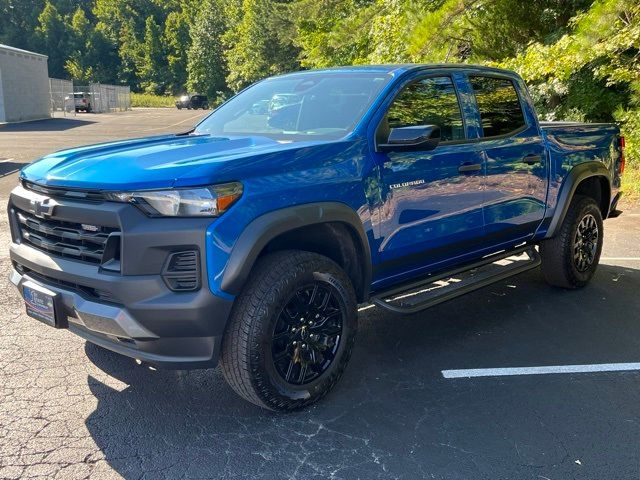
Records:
x=431, y=201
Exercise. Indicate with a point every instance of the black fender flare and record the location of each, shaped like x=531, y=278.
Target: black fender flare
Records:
x=568, y=188
x=266, y=227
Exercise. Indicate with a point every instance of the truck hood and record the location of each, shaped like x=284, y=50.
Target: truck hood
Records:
x=153, y=162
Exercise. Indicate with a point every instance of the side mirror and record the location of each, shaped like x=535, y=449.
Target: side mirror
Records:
x=412, y=139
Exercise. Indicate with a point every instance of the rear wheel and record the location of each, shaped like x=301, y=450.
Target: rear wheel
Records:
x=570, y=259
x=291, y=331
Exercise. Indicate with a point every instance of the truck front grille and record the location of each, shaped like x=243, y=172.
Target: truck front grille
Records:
x=60, y=192
x=66, y=239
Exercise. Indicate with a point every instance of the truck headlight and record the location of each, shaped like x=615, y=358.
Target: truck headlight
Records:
x=209, y=201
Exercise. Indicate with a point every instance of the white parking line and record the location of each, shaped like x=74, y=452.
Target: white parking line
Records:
x=505, y=372
x=631, y=259
x=366, y=307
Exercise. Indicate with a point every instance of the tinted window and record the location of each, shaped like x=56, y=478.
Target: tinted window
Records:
x=499, y=105
x=430, y=101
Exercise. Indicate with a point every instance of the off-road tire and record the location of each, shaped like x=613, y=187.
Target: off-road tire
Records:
x=559, y=267
x=246, y=357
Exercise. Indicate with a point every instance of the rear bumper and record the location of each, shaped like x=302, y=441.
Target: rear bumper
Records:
x=132, y=310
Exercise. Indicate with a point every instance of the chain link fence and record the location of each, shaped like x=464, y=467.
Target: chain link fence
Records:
x=98, y=97
x=107, y=98
x=61, y=95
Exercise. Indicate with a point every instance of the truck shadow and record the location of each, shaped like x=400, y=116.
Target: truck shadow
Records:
x=393, y=414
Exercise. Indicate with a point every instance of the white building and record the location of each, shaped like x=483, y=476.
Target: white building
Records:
x=24, y=85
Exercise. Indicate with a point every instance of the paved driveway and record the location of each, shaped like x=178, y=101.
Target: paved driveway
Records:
x=72, y=410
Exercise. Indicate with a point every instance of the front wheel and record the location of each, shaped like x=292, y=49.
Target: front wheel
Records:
x=291, y=331
x=570, y=259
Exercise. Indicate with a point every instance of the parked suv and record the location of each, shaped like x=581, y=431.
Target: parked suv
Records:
x=192, y=102
x=252, y=238
x=82, y=102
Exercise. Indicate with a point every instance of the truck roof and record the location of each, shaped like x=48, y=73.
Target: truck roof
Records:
x=402, y=68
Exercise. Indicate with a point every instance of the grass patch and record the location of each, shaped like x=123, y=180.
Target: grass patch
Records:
x=149, y=100
x=631, y=184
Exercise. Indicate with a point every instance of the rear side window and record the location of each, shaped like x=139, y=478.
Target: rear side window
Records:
x=430, y=101
x=499, y=105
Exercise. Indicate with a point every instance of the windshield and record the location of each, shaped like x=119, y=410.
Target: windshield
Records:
x=298, y=107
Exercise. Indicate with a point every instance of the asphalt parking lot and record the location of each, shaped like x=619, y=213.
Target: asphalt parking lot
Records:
x=72, y=410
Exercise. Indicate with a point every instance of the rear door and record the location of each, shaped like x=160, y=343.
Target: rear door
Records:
x=431, y=201
x=516, y=164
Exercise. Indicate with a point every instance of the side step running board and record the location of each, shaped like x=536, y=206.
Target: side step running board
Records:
x=434, y=289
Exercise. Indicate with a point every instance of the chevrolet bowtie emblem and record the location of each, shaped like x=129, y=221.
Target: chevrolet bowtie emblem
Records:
x=43, y=207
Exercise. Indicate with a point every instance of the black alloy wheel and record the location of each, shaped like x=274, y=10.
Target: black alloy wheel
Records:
x=585, y=243
x=307, y=334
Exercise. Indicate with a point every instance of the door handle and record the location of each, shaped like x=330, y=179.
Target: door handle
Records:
x=470, y=167
x=532, y=159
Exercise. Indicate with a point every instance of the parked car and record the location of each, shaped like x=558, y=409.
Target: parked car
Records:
x=82, y=102
x=192, y=102
x=253, y=238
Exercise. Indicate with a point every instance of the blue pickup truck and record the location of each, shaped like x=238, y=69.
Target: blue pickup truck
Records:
x=251, y=239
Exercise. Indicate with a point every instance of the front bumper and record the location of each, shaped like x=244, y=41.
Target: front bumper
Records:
x=133, y=311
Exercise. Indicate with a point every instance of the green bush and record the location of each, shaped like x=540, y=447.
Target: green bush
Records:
x=630, y=129
x=149, y=100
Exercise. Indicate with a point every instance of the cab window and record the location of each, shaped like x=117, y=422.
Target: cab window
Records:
x=499, y=105
x=429, y=101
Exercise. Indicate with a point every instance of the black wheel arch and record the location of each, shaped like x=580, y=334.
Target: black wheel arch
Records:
x=330, y=228
x=591, y=179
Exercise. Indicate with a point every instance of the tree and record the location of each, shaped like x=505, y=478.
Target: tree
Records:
x=129, y=54
x=151, y=68
x=259, y=47
x=177, y=42
x=76, y=64
x=18, y=20
x=481, y=30
x=330, y=32
x=53, y=38
x=102, y=56
x=207, y=66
